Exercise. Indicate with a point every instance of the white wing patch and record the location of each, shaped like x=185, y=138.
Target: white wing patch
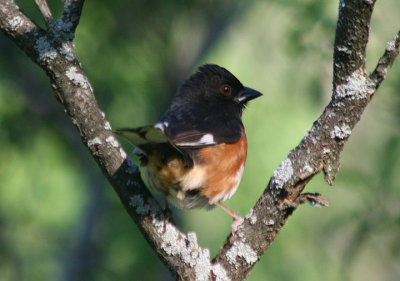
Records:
x=207, y=139
x=159, y=126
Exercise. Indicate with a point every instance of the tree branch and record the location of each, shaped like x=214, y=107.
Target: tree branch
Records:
x=73, y=90
x=387, y=59
x=72, y=13
x=44, y=10
x=319, y=150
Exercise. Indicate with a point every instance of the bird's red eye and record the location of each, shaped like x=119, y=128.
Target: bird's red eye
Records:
x=225, y=89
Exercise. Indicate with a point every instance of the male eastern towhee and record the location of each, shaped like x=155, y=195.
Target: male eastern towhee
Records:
x=196, y=153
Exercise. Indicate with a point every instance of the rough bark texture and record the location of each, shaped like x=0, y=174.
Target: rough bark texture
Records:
x=53, y=50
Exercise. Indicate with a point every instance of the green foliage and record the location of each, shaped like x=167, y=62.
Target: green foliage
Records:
x=59, y=218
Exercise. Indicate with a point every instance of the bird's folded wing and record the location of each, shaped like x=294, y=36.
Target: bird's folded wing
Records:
x=206, y=134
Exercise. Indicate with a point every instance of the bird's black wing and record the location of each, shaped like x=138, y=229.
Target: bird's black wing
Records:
x=187, y=134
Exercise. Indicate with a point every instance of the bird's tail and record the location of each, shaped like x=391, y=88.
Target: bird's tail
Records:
x=154, y=143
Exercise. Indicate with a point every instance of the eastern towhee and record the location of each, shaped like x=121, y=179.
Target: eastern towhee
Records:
x=196, y=153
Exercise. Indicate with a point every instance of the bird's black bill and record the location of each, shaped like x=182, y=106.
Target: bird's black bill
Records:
x=247, y=94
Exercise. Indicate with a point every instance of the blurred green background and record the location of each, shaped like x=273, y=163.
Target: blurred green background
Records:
x=61, y=220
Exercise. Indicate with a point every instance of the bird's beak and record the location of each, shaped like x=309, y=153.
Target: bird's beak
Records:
x=247, y=94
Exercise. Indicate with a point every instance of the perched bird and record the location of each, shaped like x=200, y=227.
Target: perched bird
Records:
x=196, y=153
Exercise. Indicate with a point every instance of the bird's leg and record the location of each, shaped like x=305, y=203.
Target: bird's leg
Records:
x=167, y=211
x=237, y=219
x=166, y=207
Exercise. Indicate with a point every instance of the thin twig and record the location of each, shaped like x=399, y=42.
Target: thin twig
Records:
x=45, y=11
x=387, y=59
x=72, y=13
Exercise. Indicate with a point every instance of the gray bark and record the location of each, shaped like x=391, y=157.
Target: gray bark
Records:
x=53, y=50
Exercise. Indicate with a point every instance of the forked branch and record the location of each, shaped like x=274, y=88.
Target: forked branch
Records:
x=319, y=150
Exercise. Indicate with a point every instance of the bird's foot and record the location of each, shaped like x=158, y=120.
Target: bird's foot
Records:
x=237, y=219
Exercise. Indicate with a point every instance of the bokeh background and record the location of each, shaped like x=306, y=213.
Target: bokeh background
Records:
x=61, y=220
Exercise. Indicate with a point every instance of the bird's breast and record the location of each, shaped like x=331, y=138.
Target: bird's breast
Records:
x=223, y=168
x=214, y=177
